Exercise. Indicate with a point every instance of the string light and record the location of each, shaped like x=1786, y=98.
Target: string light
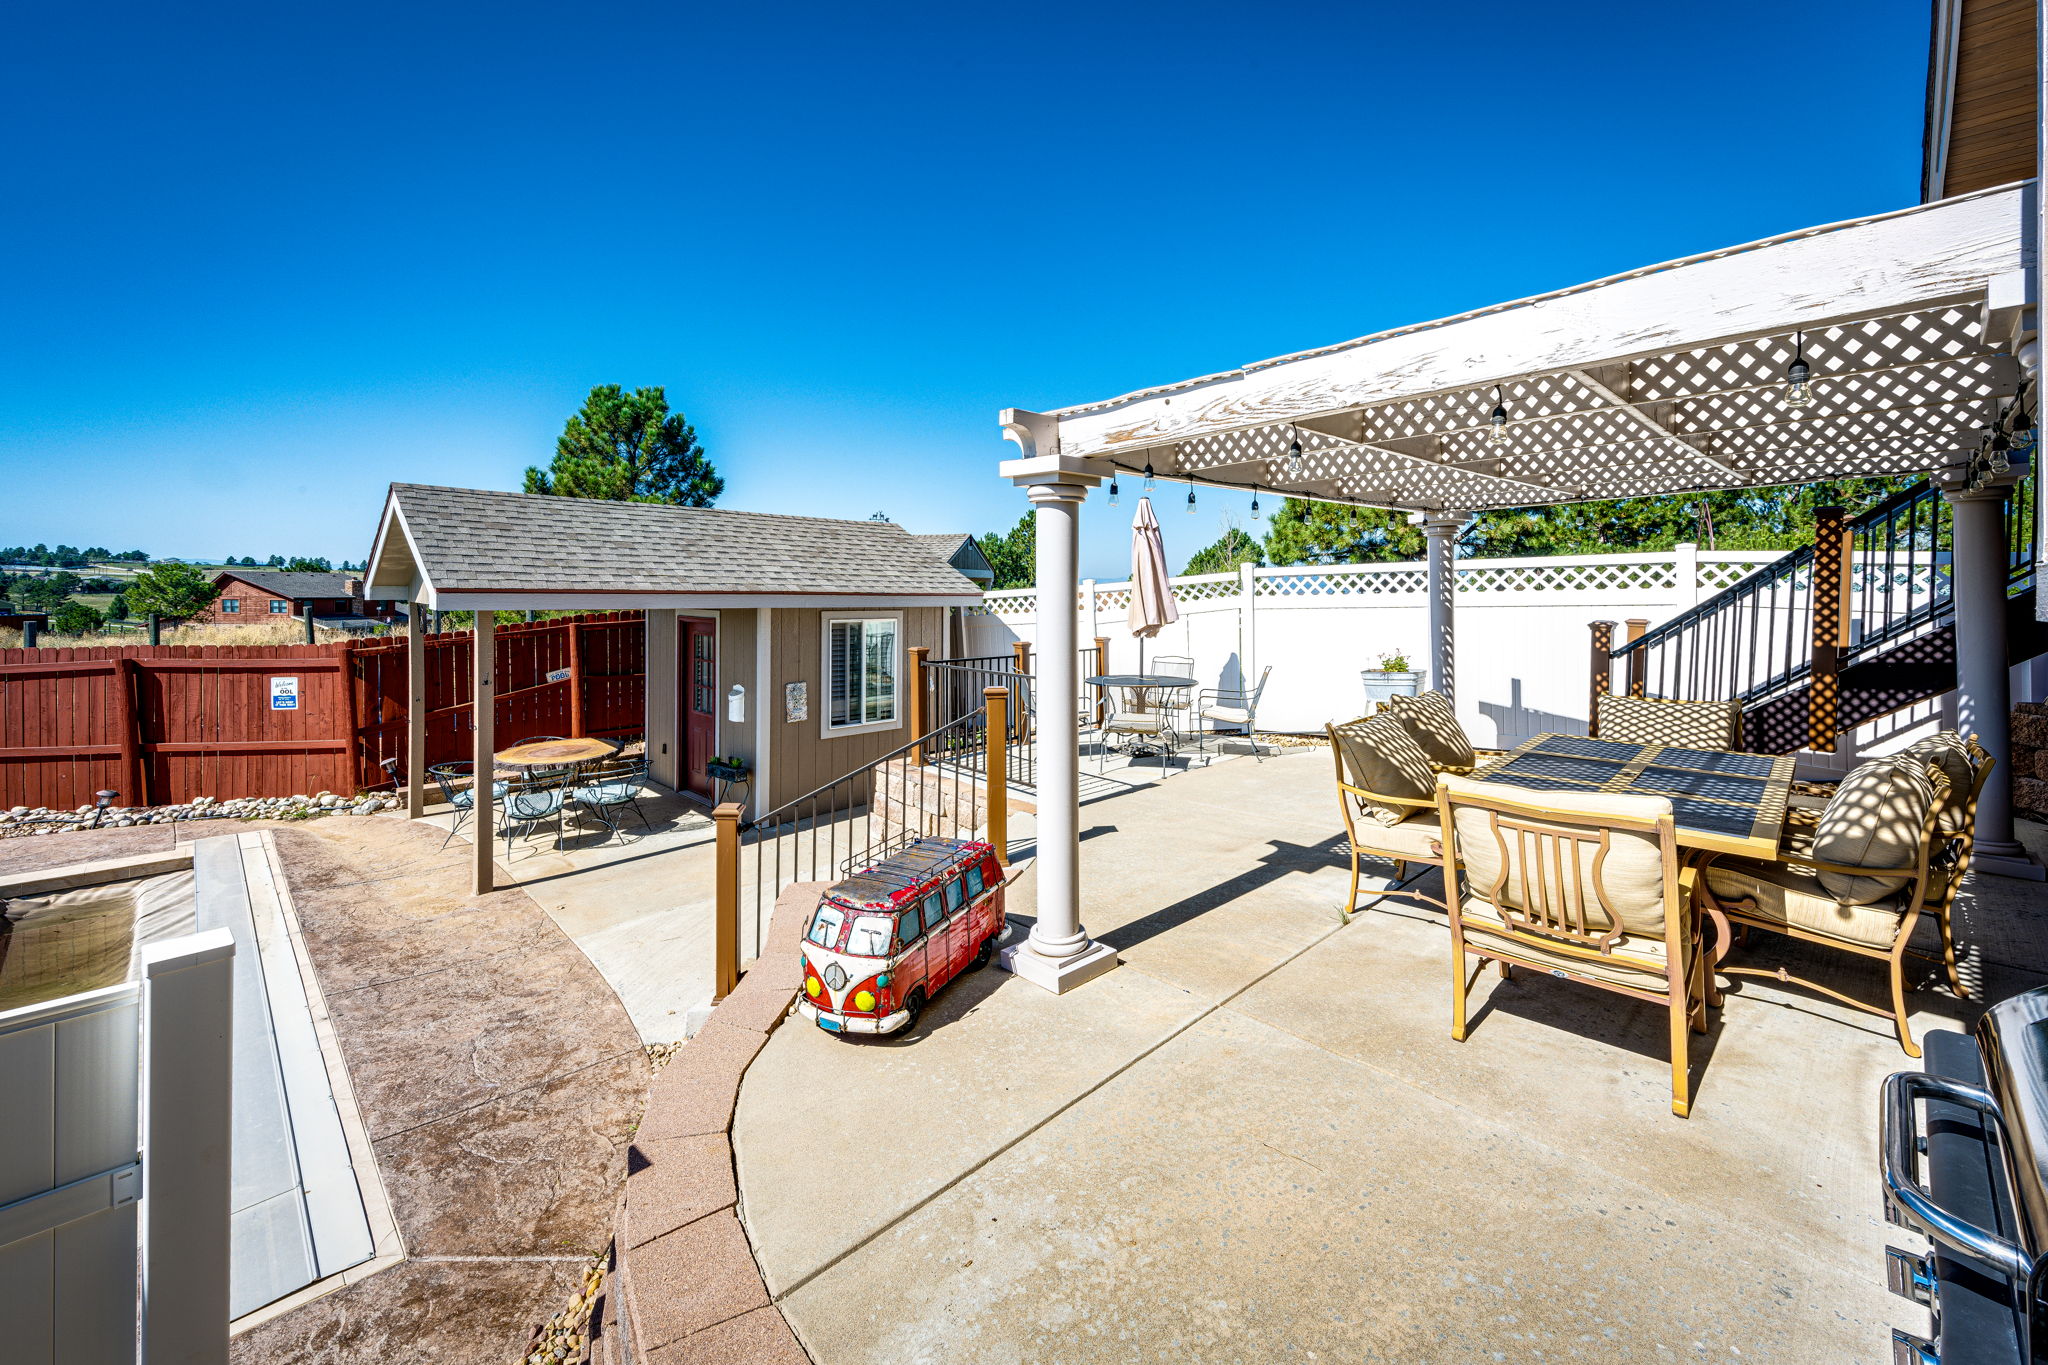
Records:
x=1999, y=459
x=1148, y=476
x=1798, y=393
x=1112, y=490
x=1294, y=456
x=1255, y=502
x=1498, y=436
x=1191, y=499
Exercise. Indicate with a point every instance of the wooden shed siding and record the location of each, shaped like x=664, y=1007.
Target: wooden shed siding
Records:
x=736, y=635
x=801, y=759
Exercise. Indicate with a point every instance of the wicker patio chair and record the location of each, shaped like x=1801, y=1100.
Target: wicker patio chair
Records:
x=1581, y=885
x=1858, y=879
x=1386, y=792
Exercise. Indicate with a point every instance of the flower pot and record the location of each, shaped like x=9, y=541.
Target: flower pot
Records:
x=1380, y=685
x=726, y=772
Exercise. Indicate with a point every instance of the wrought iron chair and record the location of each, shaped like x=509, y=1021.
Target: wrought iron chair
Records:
x=613, y=783
x=461, y=799
x=528, y=802
x=1230, y=706
x=1584, y=886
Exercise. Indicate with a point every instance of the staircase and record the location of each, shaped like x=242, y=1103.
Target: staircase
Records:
x=1883, y=640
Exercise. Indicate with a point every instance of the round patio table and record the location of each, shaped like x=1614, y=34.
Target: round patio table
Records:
x=550, y=753
x=1138, y=680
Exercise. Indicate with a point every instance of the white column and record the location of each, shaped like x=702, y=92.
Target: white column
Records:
x=1983, y=680
x=483, y=711
x=1440, y=529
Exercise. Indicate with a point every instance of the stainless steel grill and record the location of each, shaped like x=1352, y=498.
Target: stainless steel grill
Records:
x=1966, y=1165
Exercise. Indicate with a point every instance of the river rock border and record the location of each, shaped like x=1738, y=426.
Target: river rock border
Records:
x=689, y=1288
x=28, y=820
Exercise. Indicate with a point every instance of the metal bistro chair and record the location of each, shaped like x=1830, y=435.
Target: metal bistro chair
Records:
x=461, y=799
x=612, y=783
x=528, y=802
x=1230, y=706
x=1172, y=700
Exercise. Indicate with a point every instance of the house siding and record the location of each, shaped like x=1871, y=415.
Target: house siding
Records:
x=801, y=758
x=256, y=606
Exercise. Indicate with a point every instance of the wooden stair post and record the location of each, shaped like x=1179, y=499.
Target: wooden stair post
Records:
x=920, y=719
x=1020, y=714
x=1600, y=683
x=1101, y=666
x=1636, y=626
x=1830, y=598
x=995, y=731
x=725, y=925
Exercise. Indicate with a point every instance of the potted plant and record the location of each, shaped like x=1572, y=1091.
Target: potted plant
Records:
x=727, y=769
x=1393, y=678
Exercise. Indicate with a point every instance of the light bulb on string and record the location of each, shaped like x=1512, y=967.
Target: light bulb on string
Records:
x=1112, y=490
x=1798, y=390
x=1148, y=476
x=1191, y=499
x=1294, y=456
x=1255, y=502
x=1498, y=434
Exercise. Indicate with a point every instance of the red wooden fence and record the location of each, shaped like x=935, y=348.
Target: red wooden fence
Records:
x=163, y=724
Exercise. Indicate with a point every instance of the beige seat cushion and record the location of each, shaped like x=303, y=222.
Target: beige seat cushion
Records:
x=1381, y=755
x=1873, y=820
x=1650, y=720
x=1229, y=715
x=1436, y=728
x=1637, y=960
x=1631, y=874
x=1946, y=750
x=1409, y=841
x=1139, y=723
x=1796, y=898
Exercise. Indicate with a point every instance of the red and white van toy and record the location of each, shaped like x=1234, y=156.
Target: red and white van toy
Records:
x=883, y=942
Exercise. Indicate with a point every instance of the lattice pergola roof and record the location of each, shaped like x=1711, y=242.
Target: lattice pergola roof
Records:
x=1662, y=380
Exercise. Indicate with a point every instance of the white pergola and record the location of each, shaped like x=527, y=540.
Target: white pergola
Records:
x=1918, y=327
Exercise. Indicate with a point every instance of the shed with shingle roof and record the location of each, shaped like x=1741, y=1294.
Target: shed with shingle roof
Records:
x=462, y=549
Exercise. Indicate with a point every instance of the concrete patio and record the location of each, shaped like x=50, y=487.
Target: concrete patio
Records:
x=1256, y=1139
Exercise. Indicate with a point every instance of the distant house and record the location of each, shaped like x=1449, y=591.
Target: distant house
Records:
x=253, y=596
x=963, y=552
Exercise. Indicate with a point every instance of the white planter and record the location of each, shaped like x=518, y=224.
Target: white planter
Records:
x=1380, y=685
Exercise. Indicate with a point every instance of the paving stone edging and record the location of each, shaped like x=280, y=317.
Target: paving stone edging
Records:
x=688, y=1286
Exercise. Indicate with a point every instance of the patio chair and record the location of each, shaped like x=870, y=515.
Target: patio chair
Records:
x=530, y=801
x=1858, y=879
x=1230, y=706
x=1580, y=885
x=1386, y=792
x=613, y=783
x=1658, y=720
x=462, y=799
x=1151, y=727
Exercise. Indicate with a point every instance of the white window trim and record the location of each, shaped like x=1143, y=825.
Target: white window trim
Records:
x=826, y=729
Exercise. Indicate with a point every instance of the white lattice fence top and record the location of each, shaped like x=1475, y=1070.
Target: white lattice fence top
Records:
x=1363, y=580
x=1024, y=603
x=1206, y=588
x=1112, y=599
x=1715, y=575
x=1655, y=576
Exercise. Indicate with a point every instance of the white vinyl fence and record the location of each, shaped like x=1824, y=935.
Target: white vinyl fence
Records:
x=1521, y=629
x=114, y=1167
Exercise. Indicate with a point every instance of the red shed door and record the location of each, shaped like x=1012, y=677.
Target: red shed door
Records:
x=698, y=643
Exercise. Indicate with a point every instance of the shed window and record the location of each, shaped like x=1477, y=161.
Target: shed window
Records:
x=861, y=658
x=230, y=605
x=279, y=607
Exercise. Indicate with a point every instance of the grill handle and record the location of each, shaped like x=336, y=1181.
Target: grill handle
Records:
x=1902, y=1187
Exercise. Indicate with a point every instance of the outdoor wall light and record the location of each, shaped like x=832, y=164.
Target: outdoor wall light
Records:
x=1112, y=490
x=1798, y=393
x=1148, y=476
x=1498, y=436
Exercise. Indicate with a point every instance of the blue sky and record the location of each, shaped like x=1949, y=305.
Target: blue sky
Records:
x=264, y=260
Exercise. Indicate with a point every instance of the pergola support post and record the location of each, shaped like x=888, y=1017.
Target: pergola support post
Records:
x=415, y=712
x=483, y=805
x=1440, y=531
x=1983, y=677
x=1830, y=628
x=1058, y=955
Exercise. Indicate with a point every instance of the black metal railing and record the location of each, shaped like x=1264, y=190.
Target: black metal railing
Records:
x=1754, y=640
x=955, y=687
x=935, y=785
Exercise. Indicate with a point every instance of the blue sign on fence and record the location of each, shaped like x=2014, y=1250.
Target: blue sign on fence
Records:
x=284, y=694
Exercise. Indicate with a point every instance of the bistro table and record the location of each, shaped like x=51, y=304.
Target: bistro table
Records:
x=549, y=753
x=1722, y=802
x=1142, y=688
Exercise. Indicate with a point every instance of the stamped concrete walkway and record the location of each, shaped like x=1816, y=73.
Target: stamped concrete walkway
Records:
x=1256, y=1140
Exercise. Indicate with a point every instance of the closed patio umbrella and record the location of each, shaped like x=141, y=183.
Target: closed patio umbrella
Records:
x=1152, y=608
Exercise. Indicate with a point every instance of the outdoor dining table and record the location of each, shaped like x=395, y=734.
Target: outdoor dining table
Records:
x=1723, y=802
x=1140, y=687
x=548, y=753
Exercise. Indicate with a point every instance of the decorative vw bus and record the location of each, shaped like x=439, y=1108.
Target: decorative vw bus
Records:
x=883, y=942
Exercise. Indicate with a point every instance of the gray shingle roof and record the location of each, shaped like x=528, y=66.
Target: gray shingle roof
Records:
x=292, y=584
x=474, y=540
